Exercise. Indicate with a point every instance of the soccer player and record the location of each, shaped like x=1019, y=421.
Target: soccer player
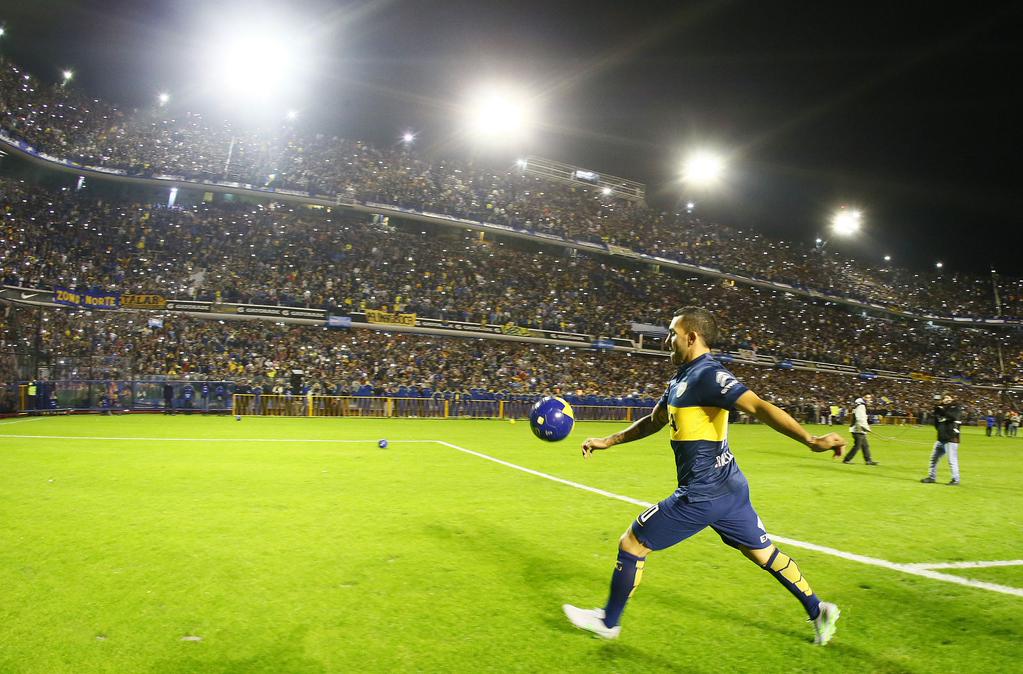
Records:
x=947, y=419
x=712, y=491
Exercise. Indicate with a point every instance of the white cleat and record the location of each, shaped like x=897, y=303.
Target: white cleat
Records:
x=591, y=620
x=824, y=624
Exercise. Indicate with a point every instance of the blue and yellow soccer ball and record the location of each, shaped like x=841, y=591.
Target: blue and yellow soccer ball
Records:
x=551, y=419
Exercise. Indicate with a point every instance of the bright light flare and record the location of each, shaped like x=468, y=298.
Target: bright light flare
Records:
x=846, y=222
x=499, y=114
x=703, y=169
x=163, y=98
x=291, y=115
x=254, y=63
x=67, y=74
x=939, y=265
x=408, y=137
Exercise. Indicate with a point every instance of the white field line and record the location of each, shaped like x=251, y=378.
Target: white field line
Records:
x=969, y=565
x=911, y=569
x=20, y=421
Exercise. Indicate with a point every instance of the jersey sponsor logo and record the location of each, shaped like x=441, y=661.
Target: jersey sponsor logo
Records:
x=681, y=388
x=726, y=380
x=724, y=459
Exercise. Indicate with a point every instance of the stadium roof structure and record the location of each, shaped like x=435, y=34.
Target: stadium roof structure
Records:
x=576, y=175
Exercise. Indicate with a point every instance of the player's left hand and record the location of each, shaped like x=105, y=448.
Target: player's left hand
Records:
x=832, y=442
x=593, y=444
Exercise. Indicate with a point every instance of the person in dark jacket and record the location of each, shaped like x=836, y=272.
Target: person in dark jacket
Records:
x=948, y=417
x=168, y=398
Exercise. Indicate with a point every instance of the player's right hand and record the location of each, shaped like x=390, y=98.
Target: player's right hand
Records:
x=593, y=444
x=832, y=442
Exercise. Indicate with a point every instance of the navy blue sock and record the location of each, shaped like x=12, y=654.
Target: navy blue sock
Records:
x=627, y=574
x=784, y=568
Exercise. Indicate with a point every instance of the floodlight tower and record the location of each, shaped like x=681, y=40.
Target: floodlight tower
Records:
x=702, y=172
x=844, y=223
x=255, y=64
x=499, y=114
x=703, y=169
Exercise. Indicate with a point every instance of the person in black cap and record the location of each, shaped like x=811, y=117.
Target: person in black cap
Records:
x=947, y=419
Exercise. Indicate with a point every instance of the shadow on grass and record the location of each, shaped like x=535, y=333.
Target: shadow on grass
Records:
x=546, y=571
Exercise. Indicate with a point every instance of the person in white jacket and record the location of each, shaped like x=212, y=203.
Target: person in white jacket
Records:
x=859, y=429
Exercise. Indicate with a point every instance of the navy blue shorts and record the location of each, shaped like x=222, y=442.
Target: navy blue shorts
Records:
x=675, y=519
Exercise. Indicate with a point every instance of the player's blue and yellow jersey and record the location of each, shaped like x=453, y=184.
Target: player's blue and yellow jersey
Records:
x=698, y=400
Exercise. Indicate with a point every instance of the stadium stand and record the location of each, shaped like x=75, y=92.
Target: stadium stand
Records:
x=346, y=263
x=63, y=122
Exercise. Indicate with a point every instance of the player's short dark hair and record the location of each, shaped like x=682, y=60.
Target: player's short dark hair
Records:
x=700, y=321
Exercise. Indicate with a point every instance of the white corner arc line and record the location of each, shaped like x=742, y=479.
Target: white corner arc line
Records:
x=968, y=565
x=911, y=569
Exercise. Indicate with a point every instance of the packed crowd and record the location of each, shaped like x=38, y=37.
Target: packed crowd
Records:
x=65, y=123
x=316, y=258
x=116, y=346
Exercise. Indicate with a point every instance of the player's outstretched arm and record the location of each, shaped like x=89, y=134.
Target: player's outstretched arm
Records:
x=648, y=425
x=778, y=419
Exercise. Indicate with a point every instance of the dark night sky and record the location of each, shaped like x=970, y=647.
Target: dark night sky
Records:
x=902, y=109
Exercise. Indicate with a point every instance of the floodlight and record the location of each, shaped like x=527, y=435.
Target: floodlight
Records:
x=408, y=137
x=703, y=169
x=887, y=258
x=939, y=265
x=163, y=98
x=499, y=113
x=254, y=62
x=521, y=163
x=690, y=206
x=846, y=222
x=67, y=75
x=2, y=31
x=606, y=191
x=291, y=115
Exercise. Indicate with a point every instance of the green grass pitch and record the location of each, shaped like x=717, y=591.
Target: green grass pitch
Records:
x=210, y=545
